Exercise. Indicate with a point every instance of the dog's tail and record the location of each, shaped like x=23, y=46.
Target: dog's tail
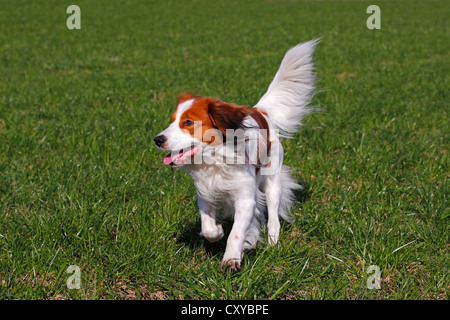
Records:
x=291, y=91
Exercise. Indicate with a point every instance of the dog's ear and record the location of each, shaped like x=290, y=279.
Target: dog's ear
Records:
x=226, y=116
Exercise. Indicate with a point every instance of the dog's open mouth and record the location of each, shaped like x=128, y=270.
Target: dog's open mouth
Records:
x=175, y=159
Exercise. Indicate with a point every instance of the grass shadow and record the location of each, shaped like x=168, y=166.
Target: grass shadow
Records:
x=191, y=237
x=303, y=194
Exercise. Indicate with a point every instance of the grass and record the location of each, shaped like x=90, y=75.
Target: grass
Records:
x=81, y=182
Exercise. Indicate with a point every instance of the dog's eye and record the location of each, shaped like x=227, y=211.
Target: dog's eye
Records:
x=188, y=123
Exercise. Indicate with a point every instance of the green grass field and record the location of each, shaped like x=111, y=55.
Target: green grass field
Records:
x=81, y=182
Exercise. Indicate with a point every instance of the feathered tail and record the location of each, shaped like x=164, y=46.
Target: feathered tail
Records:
x=292, y=89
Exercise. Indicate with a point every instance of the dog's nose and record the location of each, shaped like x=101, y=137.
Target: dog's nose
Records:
x=159, y=140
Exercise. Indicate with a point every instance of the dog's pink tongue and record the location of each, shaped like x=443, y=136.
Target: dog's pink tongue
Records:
x=189, y=153
x=183, y=156
x=171, y=158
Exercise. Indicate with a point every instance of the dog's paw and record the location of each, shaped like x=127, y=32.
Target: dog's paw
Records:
x=213, y=235
x=233, y=264
x=273, y=239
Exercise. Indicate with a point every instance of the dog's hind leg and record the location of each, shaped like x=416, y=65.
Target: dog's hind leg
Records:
x=273, y=196
x=279, y=190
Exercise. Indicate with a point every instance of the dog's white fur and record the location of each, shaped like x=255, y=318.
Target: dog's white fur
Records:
x=240, y=191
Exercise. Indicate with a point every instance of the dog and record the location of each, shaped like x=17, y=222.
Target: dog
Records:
x=234, y=154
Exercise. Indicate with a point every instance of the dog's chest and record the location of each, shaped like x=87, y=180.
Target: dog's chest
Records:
x=217, y=184
x=209, y=181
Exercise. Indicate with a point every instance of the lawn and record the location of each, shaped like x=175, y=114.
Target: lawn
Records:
x=81, y=182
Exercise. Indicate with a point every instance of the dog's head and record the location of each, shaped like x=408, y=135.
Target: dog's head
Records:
x=198, y=123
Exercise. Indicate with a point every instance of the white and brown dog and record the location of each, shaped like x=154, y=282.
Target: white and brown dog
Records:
x=234, y=154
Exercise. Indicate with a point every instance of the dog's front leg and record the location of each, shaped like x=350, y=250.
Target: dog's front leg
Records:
x=244, y=210
x=211, y=230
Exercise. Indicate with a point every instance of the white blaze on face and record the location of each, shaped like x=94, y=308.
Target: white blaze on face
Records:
x=176, y=137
